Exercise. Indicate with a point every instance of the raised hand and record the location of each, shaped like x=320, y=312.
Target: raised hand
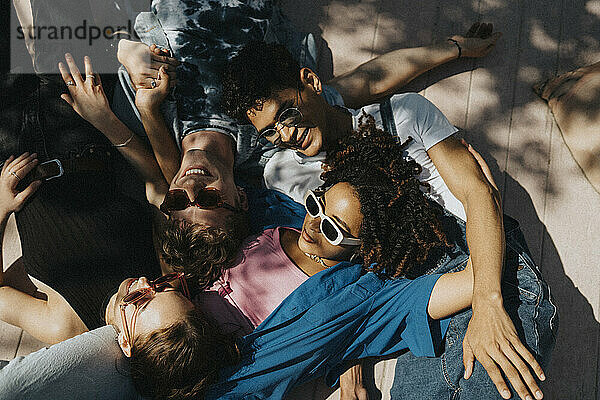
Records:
x=87, y=96
x=478, y=41
x=149, y=100
x=13, y=171
x=143, y=63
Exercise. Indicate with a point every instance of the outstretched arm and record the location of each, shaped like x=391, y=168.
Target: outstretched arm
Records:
x=385, y=74
x=148, y=103
x=152, y=72
x=49, y=319
x=88, y=99
x=11, y=200
x=491, y=336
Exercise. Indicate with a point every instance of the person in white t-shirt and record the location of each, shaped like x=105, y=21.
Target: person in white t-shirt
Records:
x=291, y=108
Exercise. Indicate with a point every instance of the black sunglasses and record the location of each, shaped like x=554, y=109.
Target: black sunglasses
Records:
x=208, y=198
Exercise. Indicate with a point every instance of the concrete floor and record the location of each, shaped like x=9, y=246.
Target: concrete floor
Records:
x=491, y=99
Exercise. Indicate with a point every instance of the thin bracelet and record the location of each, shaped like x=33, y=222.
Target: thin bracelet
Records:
x=457, y=45
x=125, y=143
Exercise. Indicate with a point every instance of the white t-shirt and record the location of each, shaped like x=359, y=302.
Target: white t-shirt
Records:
x=294, y=174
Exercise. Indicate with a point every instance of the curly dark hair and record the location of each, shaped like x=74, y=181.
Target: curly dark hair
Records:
x=400, y=227
x=203, y=252
x=257, y=72
x=182, y=360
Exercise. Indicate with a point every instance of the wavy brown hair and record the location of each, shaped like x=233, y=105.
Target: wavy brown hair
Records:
x=182, y=360
x=400, y=227
x=202, y=252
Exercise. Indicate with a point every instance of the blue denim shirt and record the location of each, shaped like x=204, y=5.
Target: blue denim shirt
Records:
x=338, y=315
x=270, y=208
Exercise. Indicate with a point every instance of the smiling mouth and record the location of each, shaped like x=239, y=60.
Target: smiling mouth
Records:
x=197, y=171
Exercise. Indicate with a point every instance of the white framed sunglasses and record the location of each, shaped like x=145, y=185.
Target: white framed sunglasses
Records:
x=330, y=229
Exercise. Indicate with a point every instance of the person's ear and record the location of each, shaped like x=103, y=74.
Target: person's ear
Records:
x=311, y=79
x=124, y=344
x=243, y=198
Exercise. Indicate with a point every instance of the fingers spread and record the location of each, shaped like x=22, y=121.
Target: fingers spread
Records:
x=66, y=75
x=19, y=162
x=98, y=80
x=530, y=359
x=67, y=97
x=468, y=360
x=73, y=68
x=90, y=76
x=523, y=370
x=22, y=197
x=24, y=166
x=88, y=66
x=512, y=374
x=486, y=30
x=8, y=161
x=32, y=162
x=495, y=375
x=472, y=30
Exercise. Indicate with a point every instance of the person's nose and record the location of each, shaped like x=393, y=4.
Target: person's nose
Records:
x=192, y=189
x=286, y=133
x=313, y=224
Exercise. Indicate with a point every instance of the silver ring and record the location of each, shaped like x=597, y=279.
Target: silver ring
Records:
x=90, y=76
x=153, y=83
x=15, y=175
x=70, y=83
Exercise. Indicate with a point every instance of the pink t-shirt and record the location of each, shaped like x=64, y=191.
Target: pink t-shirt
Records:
x=247, y=293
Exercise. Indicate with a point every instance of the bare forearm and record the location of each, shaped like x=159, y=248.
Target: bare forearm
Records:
x=451, y=293
x=163, y=145
x=387, y=73
x=41, y=318
x=137, y=153
x=485, y=238
x=481, y=201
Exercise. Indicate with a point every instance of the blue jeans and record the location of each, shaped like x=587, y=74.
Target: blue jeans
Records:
x=528, y=303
